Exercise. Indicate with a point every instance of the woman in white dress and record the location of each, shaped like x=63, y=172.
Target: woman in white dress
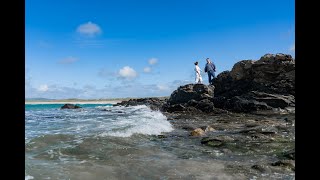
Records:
x=198, y=73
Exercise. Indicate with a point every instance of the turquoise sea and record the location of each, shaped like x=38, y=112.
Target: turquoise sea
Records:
x=57, y=106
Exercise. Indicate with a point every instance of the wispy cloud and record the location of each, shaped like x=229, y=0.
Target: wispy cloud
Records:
x=89, y=29
x=163, y=87
x=147, y=69
x=137, y=89
x=127, y=73
x=43, y=88
x=89, y=87
x=153, y=61
x=68, y=60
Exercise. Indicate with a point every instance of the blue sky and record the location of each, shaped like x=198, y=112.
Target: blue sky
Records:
x=144, y=48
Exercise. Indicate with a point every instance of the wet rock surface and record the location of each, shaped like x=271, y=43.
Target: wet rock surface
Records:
x=70, y=106
x=153, y=103
x=250, y=145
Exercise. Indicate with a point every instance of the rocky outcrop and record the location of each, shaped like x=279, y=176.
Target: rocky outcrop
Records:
x=251, y=85
x=254, y=101
x=257, y=85
x=153, y=103
x=189, y=92
x=191, y=98
x=70, y=106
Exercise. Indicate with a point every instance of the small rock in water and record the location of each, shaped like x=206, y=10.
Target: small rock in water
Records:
x=211, y=142
x=70, y=106
x=197, y=132
x=161, y=136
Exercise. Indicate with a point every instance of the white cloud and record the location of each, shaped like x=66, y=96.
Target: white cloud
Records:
x=68, y=60
x=59, y=92
x=162, y=87
x=127, y=73
x=153, y=61
x=147, y=69
x=43, y=88
x=89, y=28
x=111, y=90
x=293, y=47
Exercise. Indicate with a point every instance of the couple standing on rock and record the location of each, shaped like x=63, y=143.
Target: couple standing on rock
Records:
x=210, y=69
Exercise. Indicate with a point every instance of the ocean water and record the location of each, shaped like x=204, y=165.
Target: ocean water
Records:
x=93, y=120
x=56, y=137
x=101, y=141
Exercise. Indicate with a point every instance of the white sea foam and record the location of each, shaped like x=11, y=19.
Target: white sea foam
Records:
x=142, y=120
x=102, y=121
x=105, y=106
x=28, y=177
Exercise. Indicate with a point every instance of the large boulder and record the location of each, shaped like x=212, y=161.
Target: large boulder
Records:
x=191, y=98
x=254, y=85
x=189, y=92
x=241, y=70
x=271, y=74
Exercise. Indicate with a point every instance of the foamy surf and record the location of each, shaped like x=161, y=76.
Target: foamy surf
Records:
x=142, y=120
x=96, y=121
x=28, y=177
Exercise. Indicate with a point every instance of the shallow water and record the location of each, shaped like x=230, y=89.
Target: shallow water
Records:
x=105, y=142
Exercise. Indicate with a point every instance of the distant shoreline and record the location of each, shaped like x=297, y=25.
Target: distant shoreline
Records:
x=81, y=101
x=73, y=102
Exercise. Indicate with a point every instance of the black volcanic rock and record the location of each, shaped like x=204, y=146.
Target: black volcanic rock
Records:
x=70, y=106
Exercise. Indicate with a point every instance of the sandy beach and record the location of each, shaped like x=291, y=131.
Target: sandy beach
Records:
x=74, y=102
